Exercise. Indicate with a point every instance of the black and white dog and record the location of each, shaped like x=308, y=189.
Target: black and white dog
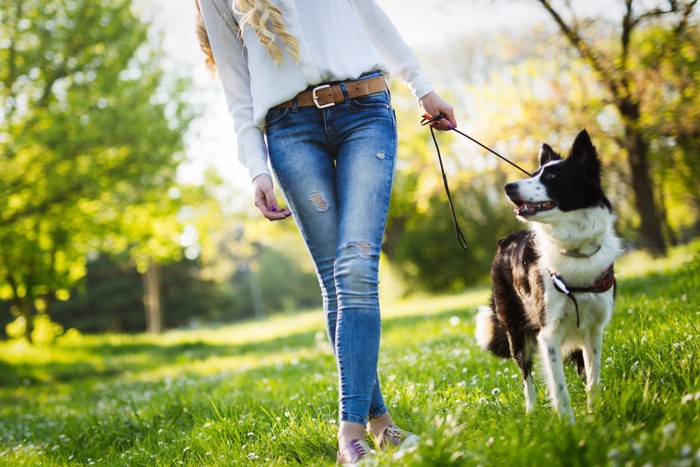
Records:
x=553, y=285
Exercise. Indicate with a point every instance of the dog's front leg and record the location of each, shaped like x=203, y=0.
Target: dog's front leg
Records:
x=592, y=348
x=550, y=350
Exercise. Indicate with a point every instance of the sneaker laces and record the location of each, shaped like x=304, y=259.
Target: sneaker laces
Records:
x=394, y=435
x=354, y=452
x=361, y=448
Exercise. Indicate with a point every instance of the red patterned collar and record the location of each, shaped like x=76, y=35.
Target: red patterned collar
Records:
x=602, y=284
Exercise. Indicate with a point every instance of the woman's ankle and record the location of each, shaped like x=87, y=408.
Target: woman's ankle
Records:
x=348, y=431
x=377, y=425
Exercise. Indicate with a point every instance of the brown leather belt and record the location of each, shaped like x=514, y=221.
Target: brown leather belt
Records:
x=327, y=95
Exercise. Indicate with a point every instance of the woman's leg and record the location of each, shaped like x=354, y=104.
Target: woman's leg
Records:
x=365, y=134
x=304, y=167
x=350, y=196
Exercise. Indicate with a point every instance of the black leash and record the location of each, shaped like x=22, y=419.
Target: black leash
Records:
x=427, y=120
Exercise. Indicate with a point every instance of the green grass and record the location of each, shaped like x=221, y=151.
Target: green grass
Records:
x=265, y=392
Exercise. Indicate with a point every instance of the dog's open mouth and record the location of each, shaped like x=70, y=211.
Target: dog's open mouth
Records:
x=530, y=209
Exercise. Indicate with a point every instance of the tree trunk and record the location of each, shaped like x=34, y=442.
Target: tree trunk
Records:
x=650, y=232
x=257, y=295
x=152, y=299
x=28, y=312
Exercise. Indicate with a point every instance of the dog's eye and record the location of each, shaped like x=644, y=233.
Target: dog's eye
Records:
x=549, y=176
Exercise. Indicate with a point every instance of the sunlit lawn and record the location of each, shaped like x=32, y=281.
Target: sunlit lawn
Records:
x=265, y=392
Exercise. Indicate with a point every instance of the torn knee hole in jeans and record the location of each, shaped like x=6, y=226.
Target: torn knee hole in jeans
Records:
x=364, y=247
x=319, y=201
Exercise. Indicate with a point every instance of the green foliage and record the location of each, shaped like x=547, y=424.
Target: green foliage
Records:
x=673, y=110
x=110, y=299
x=429, y=255
x=44, y=330
x=266, y=391
x=281, y=284
x=90, y=137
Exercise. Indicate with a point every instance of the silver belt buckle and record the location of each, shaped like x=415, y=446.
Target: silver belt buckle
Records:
x=315, y=97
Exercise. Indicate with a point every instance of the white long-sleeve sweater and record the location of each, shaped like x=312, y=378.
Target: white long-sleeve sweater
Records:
x=338, y=40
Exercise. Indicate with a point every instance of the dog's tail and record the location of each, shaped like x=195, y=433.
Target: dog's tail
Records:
x=490, y=334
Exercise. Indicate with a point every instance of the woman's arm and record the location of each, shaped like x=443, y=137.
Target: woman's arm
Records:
x=402, y=61
x=232, y=67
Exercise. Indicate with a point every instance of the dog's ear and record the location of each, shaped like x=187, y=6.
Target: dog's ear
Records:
x=583, y=153
x=547, y=154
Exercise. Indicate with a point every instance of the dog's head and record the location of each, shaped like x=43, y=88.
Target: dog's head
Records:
x=560, y=185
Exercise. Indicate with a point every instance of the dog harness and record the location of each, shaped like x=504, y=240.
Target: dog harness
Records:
x=602, y=284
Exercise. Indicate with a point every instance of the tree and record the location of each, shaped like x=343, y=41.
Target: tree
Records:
x=614, y=68
x=673, y=80
x=90, y=138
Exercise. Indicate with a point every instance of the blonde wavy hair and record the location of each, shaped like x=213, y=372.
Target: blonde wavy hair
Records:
x=265, y=19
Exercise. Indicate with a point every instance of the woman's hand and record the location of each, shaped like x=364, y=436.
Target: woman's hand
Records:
x=265, y=199
x=434, y=105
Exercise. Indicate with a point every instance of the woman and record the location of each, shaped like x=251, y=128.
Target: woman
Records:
x=305, y=86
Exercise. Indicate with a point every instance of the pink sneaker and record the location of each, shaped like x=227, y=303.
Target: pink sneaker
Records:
x=354, y=452
x=394, y=437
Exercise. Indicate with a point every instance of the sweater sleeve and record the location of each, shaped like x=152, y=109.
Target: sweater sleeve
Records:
x=401, y=60
x=232, y=68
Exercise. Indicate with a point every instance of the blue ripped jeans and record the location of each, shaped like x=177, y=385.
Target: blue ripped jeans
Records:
x=335, y=167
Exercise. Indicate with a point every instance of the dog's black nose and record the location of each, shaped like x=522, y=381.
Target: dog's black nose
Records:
x=511, y=189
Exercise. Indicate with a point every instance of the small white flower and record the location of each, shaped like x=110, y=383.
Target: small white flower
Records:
x=252, y=456
x=687, y=398
x=454, y=321
x=186, y=449
x=489, y=442
x=668, y=430
x=495, y=391
x=637, y=449
x=251, y=434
